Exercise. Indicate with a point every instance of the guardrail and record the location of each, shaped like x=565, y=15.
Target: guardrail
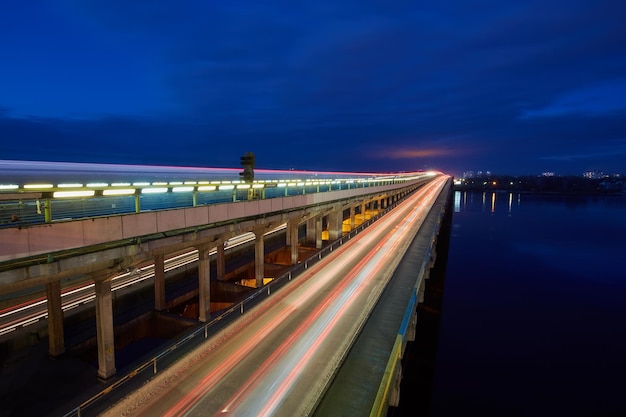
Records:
x=176, y=349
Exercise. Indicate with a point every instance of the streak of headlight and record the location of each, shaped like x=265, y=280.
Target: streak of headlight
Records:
x=326, y=316
x=298, y=349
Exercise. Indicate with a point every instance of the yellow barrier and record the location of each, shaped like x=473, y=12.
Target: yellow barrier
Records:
x=380, y=403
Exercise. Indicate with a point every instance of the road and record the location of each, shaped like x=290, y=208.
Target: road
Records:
x=277, y=359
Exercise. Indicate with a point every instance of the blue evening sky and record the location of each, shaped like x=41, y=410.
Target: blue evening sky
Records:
x=517, y=87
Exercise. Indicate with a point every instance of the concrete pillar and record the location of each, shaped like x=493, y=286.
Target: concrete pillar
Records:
x=433, y=257
x=159, y=283
x=421, y=290
x=292, y=239
x=352, y=222
x=318, y=235
x=311, y=230
x=411, y=330
x=287, y=234
x=394, y=393
x=56, y=341
x=259, y=257
x=105, y=329
x=221, y=261
x=363, y=211
x=335, y=220
x=204, y=284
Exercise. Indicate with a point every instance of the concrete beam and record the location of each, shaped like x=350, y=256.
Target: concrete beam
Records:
x=116, y=259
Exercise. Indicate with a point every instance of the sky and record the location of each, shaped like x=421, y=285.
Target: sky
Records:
x=511, y=87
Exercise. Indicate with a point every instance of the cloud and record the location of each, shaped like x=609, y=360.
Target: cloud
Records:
x=359, y=85
x=601, y=98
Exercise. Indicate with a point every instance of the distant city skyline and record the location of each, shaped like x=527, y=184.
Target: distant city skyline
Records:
x=518, y=87
x=586, y=174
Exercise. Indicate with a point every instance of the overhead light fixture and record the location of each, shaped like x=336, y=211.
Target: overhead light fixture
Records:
x=68, y=194
x=207, y=188
x=37, y=186
x=154, y=190
x=182, y=189
x=120, y=191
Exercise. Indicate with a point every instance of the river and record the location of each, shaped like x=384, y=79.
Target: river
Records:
x=534, y=309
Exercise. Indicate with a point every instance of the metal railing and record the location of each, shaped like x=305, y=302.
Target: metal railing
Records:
x=32, y=211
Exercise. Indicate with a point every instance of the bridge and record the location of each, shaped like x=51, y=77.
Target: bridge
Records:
x=318, y=216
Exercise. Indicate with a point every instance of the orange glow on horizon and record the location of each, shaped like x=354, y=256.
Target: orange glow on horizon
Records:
x=411, y=153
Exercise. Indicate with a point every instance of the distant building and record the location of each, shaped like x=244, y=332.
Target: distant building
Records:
x=478, y=174
x=594, y=175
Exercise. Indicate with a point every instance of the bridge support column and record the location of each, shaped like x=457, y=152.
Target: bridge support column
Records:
x=363, y=211
x=56, y=342
x=314, y=231
x=221, y=261
x=292, y=239
x=433, y=256
x=394, y=395
x=318, y=235
x=335, y=223
x=352, y=220
x=411, y=330
x=259, y=258
x=422, y=288
x=159, y=283
x=204, y=284
x=104, y=328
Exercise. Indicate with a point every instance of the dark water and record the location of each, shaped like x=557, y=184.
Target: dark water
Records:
x=534, y=310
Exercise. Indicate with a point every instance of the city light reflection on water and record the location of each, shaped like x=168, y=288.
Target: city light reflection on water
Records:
x=463, y=200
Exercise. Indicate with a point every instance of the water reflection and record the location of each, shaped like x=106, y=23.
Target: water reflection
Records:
x=463, y=201
x=534, y=297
